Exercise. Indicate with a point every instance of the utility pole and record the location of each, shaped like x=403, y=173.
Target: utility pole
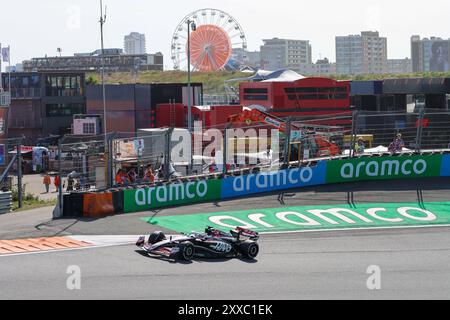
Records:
x=194, y=27
x=190, y=124
x=102, y=22
x=106, y=146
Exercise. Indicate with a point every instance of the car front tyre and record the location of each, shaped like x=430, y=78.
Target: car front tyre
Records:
x=187, y=251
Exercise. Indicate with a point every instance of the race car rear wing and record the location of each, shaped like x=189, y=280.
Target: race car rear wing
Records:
x=247, y=233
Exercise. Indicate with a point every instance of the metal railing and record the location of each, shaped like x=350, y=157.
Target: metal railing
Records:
x=25, y=93
x=13, y=167
x=132, y=156
x=5, y=202
x=5, y=99
x=424, y=130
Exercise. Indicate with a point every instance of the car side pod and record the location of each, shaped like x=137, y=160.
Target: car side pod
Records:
x=141, y=241
x=174, y=253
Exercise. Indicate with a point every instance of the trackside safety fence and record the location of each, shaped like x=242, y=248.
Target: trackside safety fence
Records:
x=212, y=188
x=129, y=172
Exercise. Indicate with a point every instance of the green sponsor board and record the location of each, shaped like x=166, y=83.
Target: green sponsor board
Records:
x=171, y=195
x=290, y=219
x=384, y=168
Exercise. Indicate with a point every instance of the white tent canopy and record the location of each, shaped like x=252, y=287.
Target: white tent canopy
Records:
x=283, y=75
x=379, y=149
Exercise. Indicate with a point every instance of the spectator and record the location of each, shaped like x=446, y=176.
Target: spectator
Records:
x=56, y=182
x=83, y=182
x=70, y=182
x=77, y=184
x=230, y=166
x=118, y=177
x=397, y=145
x=122, y=178
x=149, y=176
x=359, y=146
x=125, y=178
x=132, y=175
x=47, y=182
x=269, y=152
x=213, y=167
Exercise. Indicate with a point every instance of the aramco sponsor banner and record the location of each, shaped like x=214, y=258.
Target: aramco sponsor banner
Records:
x=325, y=172
x=171, y=195
x=273, y=181
x=384, y=168
x=2, y=154
x=445, y=166
x=330, y=217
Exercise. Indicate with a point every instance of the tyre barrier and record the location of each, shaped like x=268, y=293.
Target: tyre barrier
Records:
x=94, y=205
x=73, y=205
x=5, y=202
x=98, y=205
x=221, y=187
x=118, y=200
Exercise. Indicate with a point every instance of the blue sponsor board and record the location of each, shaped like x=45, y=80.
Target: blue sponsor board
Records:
x=2, y=154
x=445, y=166
x=274, y=181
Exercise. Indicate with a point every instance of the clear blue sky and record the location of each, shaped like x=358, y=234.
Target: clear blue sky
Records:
x=36, y=28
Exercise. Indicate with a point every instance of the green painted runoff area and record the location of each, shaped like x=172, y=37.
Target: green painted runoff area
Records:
x=321, y=217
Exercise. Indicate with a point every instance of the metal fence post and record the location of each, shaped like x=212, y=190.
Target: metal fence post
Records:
x=110, y=182
x=19, y=175
x=190, y=167
x=287, y=142
x=167, y=153
x=419, y=130
x=225, y=150
x=60, y=186
x=353, y=134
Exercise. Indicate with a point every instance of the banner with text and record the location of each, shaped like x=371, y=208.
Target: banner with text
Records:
x=274, y=181
x=384, y=168
x=171, y=195
x=320, y=217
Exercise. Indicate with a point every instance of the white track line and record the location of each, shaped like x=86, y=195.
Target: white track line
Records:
x=359, y=229
x=115, y=241
x=104, y=240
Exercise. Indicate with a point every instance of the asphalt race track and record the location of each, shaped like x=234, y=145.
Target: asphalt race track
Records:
x=414, y=263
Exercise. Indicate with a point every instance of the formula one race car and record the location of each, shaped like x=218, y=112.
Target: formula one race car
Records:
x=212, y=243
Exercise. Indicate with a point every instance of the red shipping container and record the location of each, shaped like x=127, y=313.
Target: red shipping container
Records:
x=170, y=115
x=219, y=114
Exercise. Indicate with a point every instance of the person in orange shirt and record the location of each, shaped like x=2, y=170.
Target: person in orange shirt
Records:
x=122, y=178
x=119, y=177
x=56, y=182
x=149, y=175
x=47, y=181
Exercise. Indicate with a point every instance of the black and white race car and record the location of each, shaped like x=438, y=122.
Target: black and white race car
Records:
x=212, y=243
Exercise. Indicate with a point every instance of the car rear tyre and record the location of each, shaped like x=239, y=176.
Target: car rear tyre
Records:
x=156, y=237
x=249, y=249
x=187, y=251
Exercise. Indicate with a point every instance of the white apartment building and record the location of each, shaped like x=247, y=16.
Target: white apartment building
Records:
x=134, y=43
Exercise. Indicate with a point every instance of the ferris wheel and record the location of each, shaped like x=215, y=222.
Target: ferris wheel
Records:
x=212, y=42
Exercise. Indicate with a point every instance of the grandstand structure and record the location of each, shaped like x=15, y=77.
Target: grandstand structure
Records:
x=114, y=60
